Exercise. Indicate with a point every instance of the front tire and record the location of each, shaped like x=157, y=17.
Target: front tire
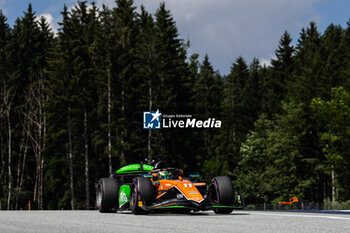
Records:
x=107, y=195
x=142, y=191
x=222, y=192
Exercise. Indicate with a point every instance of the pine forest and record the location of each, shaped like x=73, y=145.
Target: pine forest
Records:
x=71, y=106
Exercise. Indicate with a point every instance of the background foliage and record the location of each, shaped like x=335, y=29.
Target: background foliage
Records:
x=72, y=102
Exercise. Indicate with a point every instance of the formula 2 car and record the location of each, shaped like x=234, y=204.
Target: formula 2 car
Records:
x=143, y=188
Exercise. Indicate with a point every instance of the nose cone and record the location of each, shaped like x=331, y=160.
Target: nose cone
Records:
x=190, y=191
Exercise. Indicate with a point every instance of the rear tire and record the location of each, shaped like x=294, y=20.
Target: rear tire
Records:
x=142, y=190
x=222, y=192
x=107, y=195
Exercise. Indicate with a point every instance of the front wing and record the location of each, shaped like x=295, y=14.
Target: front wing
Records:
x=175, y=203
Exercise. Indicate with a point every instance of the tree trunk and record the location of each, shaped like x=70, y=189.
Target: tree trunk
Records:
x=109, y=121
x=41, y=185
x=22, y=171
x=40, y=164
x=42, y=133
x=34, y=114
x=333, y=184
x=9, y=160
x=149, y=143
x=324, y=188
x=122, y=128
x=35, y=192
x=87, y=190
x=2, y=177
x=43, y=146
x=7, y=110
x=21, y=163
x=18, y=172
x=19, y=167
x=234, y=139
x=40, y=139
x=70, y=152
x=40, y=159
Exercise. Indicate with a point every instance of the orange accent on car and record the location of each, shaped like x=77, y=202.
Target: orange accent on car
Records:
x=187, y=188
x=291, y=201
x=199, y=184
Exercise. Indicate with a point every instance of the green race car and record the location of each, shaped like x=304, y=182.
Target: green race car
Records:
x=143, y=188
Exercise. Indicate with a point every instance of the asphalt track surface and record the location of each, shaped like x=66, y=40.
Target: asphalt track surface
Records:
x=238, y=221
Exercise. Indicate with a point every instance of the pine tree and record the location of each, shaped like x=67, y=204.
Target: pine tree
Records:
x=102, y=52
x=346, y=45
x=126, y=108
x=61, y=90
x=252, y=96
x=208, y=89
x=310, y=82
x=194, y=65
x=234, y=112
x=333, y=48
x=308, y=74
x=36, y=111
x=203, y=84
x=235, y=102
x=145, y=52
x=172, y=90
x=84, y=23
x=27, y=59
x=5, y=109
x=281, y=73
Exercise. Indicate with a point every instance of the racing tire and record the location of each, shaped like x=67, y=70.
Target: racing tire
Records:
x=222, y=192
x=107, y=195
x=142, y=190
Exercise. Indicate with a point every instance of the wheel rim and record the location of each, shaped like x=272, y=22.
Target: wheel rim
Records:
x=133, y=200
x=99, y=196
x=215, y=194
x=216, y=191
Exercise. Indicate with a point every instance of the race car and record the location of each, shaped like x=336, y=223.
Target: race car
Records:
x=143, y=188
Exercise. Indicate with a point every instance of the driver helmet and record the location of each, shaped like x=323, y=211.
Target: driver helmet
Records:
x=165, y=175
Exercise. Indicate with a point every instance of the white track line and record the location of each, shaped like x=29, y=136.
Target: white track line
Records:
x=305, y=216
